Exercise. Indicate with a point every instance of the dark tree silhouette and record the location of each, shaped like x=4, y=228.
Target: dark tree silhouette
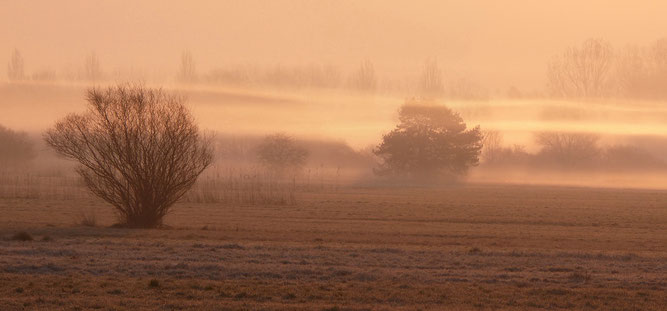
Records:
x=429, y=141
x=138, y=149
x=279, y=153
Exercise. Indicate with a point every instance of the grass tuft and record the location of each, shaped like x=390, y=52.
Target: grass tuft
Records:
x=87, y=219
x=154, y=283
x=22, y=236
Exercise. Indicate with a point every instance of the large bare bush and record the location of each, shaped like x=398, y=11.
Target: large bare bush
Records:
x=139, y=149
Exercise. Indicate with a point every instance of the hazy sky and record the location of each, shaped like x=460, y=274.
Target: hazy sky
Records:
x=498, y=43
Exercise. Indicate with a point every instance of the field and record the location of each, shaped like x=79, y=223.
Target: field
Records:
x=473, y=247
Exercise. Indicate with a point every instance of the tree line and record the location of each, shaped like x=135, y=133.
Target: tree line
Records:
x=592, y=69
x=595, y=69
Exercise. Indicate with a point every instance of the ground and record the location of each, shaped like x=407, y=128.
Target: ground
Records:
x=475, y=247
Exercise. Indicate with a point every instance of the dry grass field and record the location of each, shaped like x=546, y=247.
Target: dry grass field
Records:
x=475, y=247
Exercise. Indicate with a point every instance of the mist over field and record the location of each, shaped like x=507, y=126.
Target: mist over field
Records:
x=298, y=67
x=333, y=155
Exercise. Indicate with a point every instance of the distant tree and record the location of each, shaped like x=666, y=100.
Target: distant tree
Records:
x=431, y=85
x=568, y=149
x=429, y=141
x=492, y=142
x=280, y=153
x=91, y=68
x=139, y=149
x=583, y=71
x=187, y=72
x=15, y=70
x=17, y=148
x=641, y=72
x=364, y=79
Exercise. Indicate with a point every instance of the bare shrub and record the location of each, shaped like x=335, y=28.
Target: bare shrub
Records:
x=138, y=149
x=17, y=148
x=568, y=149
x=87, y=219
x=281, y=153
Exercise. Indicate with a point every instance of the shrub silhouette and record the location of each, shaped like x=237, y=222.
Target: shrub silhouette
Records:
x=279, y=153
x=138, y=149
x=430, y=140
x=22, y=236
x=17, y=148
x=568, y=149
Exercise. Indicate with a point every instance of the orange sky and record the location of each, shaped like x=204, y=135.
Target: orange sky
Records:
x=499, y=43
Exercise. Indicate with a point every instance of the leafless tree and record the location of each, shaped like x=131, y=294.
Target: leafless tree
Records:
x=279, y=153
x=582, y=71
x=641, y=72
x=493, y=146
x=15, y=70
x=431, y=84
x=364, y=79
x=91, y=68
x=187, y=72
x=139, y=149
